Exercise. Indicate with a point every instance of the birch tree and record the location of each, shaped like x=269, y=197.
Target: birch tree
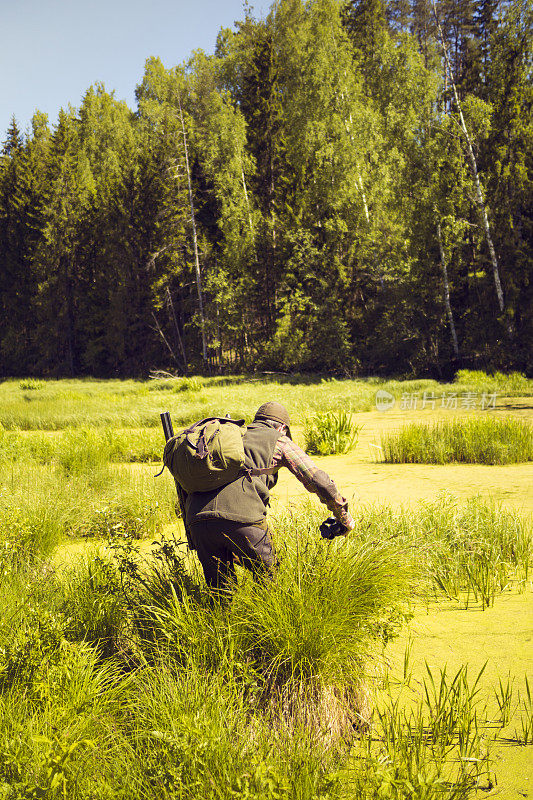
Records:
x=479, y=196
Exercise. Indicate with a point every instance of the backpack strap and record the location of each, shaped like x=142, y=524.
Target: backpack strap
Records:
x=239, y=422
x=256, y=471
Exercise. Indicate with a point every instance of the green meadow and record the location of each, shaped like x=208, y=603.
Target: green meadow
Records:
x=395, y=662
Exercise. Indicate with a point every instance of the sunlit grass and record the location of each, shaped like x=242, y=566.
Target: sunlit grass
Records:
x=330, y=433
x=121, y=676
x=472, y=441
x=76, y=449
x=54, y=405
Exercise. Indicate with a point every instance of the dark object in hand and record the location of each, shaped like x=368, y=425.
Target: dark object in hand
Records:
x=331, y=528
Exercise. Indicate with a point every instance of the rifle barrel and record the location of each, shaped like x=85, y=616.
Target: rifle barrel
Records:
x=166, y=422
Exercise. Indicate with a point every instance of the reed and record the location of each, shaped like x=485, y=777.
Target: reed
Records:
x=476, y=441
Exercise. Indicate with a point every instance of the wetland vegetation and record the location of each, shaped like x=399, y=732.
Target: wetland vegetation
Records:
x=120, y=676
x=478, y=441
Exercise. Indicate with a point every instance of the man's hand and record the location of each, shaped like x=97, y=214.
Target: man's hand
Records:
x=331, y=528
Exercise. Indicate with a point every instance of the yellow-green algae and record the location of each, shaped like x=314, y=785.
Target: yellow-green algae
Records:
x=501, y=637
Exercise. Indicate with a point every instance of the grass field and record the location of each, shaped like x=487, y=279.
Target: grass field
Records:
x=120, y=677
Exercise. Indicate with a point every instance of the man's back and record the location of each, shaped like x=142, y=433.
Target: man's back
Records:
x=247, y=498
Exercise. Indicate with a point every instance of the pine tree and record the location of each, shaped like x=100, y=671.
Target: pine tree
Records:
x=22, y=192
x=14, y=140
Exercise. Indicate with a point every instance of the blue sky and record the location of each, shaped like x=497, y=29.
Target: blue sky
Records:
x=51, y=51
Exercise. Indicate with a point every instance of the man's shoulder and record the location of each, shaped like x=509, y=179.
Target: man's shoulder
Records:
x=262, y=428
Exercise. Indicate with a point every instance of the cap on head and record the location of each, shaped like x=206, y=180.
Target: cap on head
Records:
x=275, y=412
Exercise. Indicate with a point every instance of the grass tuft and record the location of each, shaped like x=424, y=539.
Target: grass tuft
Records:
x=31, y=384
x=330, y=433
x=476, y=441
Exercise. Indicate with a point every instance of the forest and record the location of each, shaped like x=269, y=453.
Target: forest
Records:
x=342, y=187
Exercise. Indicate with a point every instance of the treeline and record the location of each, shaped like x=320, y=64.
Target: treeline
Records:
x=342, y=187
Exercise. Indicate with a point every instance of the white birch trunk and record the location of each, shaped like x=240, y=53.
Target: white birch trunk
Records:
x=164, y=338
x=480, y=200
x=358, y=173
x=195, y=241
x=180, y=340
x=362, y=190
x=447, y=303
x=250, y=223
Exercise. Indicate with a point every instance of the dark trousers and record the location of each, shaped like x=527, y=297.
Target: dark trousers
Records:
x=219, y=543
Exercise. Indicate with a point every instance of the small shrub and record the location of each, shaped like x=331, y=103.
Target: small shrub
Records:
x=26, y=643
x=192, y=384
x=330, y=433
x=188, y=385
x=31, y=384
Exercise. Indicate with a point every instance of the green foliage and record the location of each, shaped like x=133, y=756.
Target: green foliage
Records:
x=32, y=523
x=476, y=441
x=82, y=453
x=525, y=736
x=41, y=507
x=31, y=383
x=446, y=721
x=330, y=433
x=78, y=451
x=92, y=604
x=333, y=199
x=28, y=645
x=131, y=516
x=128, y=411
x=177, y=385
x=351, y=589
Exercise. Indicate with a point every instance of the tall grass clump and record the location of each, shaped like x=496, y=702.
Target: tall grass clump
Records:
x=470, y=552
x=176, y=385
x=93, y=604
x=330, y=433
x=506, y=384
x=226, y=749
x=301, y=642
x=83, y=453
x=31, y=384
x=475, y=441
x=431, y=744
